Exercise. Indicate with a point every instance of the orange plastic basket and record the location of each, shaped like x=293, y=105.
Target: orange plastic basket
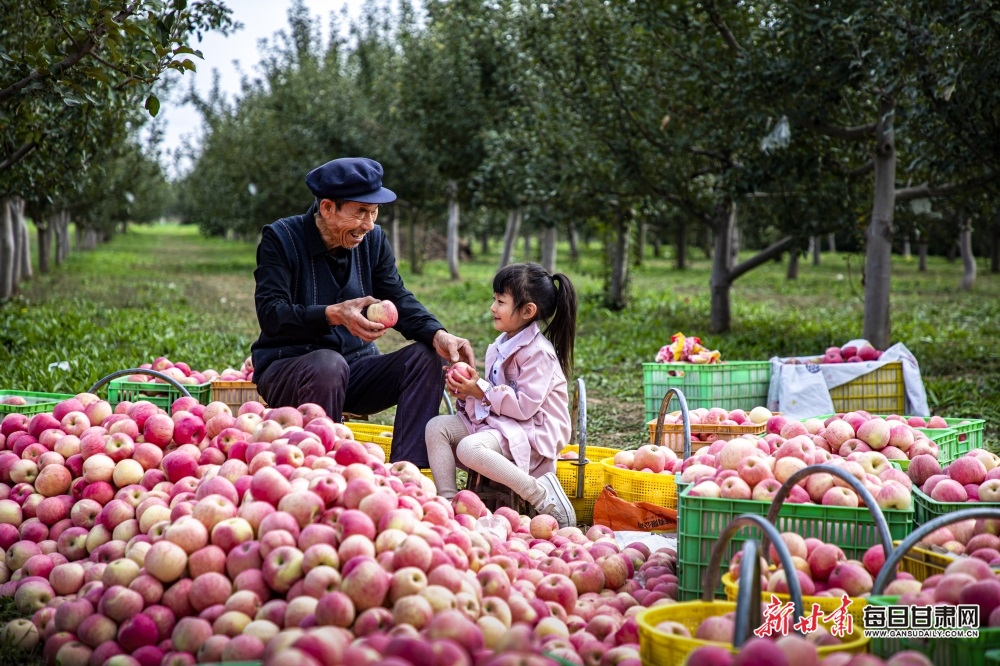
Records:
x=235, y=394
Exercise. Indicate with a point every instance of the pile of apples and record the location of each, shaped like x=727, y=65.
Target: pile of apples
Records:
x=846, y=354
x=715, y=416
x=967, y=580
x=137, y=536
x=755, y=468
x=975, y=477
x=976, y=538
x=860, y=431
x=823, y=569
x=183, y=373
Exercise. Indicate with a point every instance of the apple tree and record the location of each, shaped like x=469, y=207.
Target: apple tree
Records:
x=884, y=77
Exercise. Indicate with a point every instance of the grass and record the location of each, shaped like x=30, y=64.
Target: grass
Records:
x=165, y=290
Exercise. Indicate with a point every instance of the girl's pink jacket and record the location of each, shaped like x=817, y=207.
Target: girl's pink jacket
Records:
x=529, y=406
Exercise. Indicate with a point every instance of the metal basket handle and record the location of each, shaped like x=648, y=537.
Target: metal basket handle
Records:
x=889, y=568
x=880, y=524
x=658, y=433
x=747, y=619
x=141, y=371
x=581, y=436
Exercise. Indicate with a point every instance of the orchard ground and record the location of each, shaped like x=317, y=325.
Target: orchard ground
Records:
x=165, y=290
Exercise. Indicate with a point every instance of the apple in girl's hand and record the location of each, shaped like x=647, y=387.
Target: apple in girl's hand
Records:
x=463, y=370
x=383, y=312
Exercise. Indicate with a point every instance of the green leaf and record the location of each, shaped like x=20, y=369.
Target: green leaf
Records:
x=152, y=105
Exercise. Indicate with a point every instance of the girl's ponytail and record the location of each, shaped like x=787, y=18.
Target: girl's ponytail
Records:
x=561, y=330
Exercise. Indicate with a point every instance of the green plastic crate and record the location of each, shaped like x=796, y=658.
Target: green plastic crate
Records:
x=160, y=394
x=970, y=434
x=993, y=657
x=927, y=509
x=940, y=651
x=729, y=385
x=36, y=402
x=702, y=520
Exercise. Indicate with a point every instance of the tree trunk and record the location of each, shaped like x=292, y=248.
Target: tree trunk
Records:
x=817, y=249
x=734, y=244
x=615, y=298
x=968, y=259
x=995, y=249
x=706, y=244
x=510, y=236
x=682, y=248
x=22, y=240
x=7, y=251
x=793, y=264
x=657, y=245
x=878, y=237
x=721, y=280
x=549, y=237
x=832, y=240
x=951, y=252
x=922, y=255
x=640, y=243
x=416, y=266
x=907, y=253
x=484, y=242
x=394, y=234
x=453, y=216
x=64, y=224
x=574, y=242
x=44, y=244
x=527, y=246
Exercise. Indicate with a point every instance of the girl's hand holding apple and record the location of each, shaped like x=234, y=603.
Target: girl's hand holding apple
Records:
x=461, y=380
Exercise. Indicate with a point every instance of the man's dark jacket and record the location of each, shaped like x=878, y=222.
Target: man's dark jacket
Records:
x=295, y=283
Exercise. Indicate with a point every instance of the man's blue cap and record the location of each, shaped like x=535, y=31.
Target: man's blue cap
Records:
x=351, y=178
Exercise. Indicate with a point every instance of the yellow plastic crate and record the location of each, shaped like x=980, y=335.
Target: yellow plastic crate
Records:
x=374, y=433
x=881, y=391
x=593, y=479
x=826, y=604
x=923, y=563
x=235, y=394
x=426, y=472
x=631, y=486
x=657, y=648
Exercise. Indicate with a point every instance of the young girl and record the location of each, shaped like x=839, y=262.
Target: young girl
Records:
x=511, y=424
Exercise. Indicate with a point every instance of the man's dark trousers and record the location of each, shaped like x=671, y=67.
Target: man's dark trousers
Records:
x=410, y=378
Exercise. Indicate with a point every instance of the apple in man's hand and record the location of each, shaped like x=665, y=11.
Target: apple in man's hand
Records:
x=383, y=312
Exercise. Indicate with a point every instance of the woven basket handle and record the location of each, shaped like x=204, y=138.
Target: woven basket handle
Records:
x=888, y=570
x=141, y=371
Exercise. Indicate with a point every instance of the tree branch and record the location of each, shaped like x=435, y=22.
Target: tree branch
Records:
x=81, y=52
x=727, y=34
x=761, y=257
x=851, y=133
x=926, y=191
x=18, y=155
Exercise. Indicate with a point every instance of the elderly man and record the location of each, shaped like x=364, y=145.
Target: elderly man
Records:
x=316, y=273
